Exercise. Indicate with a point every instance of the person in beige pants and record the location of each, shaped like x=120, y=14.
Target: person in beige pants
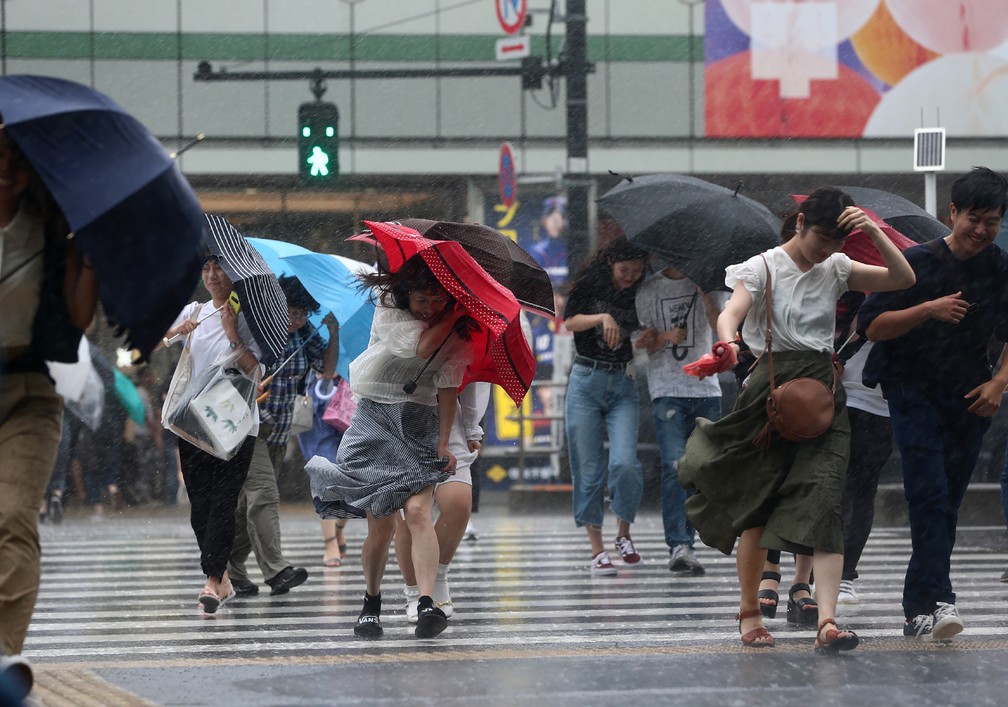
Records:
x=44, y=280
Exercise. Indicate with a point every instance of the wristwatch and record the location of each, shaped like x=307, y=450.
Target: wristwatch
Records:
x=235, y=344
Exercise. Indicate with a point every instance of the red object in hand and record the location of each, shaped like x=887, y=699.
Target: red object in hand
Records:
x=721, y=358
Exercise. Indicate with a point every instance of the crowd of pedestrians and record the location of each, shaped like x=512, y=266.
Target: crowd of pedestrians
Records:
x=905, y=355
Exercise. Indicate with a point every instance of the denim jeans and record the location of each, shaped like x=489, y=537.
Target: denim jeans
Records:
x=939, y=442
x=600, y=402
x=674, y=420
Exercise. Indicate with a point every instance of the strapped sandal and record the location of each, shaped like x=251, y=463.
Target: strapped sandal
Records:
x=769, y=610
x=836, y=640
x=804, y=611
x=758, y=637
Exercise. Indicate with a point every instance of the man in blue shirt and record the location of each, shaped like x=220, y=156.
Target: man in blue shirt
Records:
x=932, y=363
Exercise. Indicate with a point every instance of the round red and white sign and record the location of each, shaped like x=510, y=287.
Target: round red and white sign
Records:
x=511, y=14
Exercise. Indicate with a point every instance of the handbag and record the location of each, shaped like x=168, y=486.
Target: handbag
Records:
x=800, y=409
x=215, y=413
x=340, y=408
x=303, y=414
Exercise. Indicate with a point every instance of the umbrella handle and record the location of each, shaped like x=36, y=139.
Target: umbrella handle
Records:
x=410, y=387
x=175, y=338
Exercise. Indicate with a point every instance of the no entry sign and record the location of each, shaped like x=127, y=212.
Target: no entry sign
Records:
x=511, y=14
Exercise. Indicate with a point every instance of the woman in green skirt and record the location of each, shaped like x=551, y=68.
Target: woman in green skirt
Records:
x=785, y=495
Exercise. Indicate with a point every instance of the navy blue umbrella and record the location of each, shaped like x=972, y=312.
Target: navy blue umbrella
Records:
x=134, y=215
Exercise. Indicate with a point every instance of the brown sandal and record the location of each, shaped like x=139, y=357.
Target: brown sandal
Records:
x=835, y=641
x=752, y=639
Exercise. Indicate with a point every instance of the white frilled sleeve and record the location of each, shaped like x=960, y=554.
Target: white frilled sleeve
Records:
x=751, y=273
x=474, y=400
x=398, y=330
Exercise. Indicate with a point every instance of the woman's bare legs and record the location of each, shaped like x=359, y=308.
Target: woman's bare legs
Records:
x=749, y=561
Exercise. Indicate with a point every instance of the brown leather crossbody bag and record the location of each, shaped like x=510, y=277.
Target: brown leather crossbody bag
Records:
x=800, y=409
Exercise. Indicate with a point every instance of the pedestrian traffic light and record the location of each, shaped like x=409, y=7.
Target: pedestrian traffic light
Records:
x=318, y=143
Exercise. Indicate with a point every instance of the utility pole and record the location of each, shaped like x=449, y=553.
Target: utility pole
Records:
x=576, y=68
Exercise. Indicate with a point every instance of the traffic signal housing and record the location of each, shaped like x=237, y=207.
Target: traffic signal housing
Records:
x=318, y=143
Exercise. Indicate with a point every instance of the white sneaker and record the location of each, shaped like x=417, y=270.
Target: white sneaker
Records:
x=683, y=559
x=946, y=622
x=847, y=594
x=602, y=566
x=16, y=674
x=470, y=532
x=442, y=598
x=412, y=595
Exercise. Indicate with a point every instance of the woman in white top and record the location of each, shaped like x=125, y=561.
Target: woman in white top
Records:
x=397, y=446
x=786, y=496
x=213, y=484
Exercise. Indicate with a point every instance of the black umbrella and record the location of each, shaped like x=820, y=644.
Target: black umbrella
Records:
x=262, y=301
x=903, y=215
x=500, y=256
x=698, y=227
x=134, y=215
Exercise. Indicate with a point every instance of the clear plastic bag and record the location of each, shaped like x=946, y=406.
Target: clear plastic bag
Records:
x=217, y=410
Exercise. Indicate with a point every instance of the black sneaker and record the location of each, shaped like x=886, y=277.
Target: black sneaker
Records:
x=244, y=587
x=368, y=625
x=430, y=622
x=919, y=627
x=287, y=579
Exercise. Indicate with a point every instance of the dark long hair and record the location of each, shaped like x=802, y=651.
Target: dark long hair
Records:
x=823, y=207
x=393, y=288
x=599, y=268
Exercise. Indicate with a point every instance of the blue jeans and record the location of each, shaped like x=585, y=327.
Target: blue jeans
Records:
x=598, y=402
x=674, y=420
x=939, y=442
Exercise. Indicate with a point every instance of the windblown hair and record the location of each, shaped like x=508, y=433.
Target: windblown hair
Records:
x=393, y=288
x=618, y=250
x=823, y=207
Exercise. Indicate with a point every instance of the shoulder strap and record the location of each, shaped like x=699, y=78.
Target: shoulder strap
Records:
x=769, y=321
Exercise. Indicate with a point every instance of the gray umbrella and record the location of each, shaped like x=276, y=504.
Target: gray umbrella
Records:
x=903, y=215
x=698, y=227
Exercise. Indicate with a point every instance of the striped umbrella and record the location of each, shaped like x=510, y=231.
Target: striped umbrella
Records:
x=262, y=301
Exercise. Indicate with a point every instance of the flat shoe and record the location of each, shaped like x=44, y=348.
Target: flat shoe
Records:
x=209, y=600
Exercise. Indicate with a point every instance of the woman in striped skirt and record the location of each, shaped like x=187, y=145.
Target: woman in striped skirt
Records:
x=396, y=449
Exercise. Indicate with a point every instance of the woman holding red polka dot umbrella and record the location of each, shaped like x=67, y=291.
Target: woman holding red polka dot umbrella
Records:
x=440, y=323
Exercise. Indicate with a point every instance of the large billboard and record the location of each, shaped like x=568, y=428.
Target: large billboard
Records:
x=855, y=68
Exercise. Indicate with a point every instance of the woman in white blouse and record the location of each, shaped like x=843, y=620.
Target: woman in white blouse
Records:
x=786, y=496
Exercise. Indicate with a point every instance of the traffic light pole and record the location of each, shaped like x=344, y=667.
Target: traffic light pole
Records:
x=576, y=70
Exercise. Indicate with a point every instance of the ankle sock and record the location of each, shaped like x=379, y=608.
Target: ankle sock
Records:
x=442, y=572
x=372, y=604
x=425, y=602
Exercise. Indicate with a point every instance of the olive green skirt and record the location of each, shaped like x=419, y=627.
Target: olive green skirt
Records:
x=792, y=489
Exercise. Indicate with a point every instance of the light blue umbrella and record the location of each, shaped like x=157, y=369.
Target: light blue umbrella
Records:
x=332, y=281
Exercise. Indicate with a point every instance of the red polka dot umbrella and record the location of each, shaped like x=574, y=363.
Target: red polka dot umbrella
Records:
x=502, y=354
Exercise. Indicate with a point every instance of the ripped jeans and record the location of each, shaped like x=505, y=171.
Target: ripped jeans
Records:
x=674, y=420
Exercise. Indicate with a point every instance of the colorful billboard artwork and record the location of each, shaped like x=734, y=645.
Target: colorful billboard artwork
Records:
x=852, y=68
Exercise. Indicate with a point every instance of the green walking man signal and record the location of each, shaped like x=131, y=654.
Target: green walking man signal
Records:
x=318, y=143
